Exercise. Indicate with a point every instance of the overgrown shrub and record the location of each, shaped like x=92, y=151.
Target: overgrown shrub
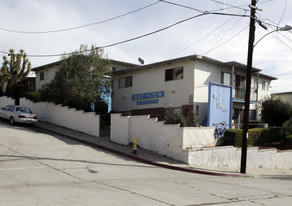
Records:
x=275, y=111
x=33, y=96
x=176, y=118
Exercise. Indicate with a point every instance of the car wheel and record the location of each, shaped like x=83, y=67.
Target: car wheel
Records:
x=11, y=121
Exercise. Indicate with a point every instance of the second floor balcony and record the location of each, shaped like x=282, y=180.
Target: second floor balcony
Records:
x=239, y=94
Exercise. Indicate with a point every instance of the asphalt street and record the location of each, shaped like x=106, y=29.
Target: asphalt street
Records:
x=39, y=168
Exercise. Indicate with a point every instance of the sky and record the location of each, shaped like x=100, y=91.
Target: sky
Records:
x=203, y=27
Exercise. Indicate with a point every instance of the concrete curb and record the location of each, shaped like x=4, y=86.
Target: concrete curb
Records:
x=139, y=159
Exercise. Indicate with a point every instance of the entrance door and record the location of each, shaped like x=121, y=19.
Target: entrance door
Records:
x=238, y=118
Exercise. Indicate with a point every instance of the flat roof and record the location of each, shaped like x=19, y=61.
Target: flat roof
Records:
x=135, y=67
x=237, y=65
x=281, y=93
x=58, y=63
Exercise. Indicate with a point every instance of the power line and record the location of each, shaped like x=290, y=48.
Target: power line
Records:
x=283, y=12
x=180, y=5
x=226, y=41
x=82, y=26
x=121, y=42
x=222, y=37
x=231, y=6
x=138, y=37
x=283, y=42
x=202, y=37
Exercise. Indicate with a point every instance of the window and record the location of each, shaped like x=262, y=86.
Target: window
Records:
x=240, y=81
x=252, y=84
x=252, y=115
x=174, y=74
x=42, y=76
x=125, y=82
x=225, y=78
x=265, y=86
x=7, y=107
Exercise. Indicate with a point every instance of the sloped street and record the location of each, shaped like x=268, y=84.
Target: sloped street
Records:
x=46, y=169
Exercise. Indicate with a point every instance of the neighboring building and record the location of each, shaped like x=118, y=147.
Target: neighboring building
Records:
x=284, y=96
x=182, y=84
x=29, y=82
x=46, y=73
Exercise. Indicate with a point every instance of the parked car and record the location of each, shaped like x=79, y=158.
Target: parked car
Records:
x=20, y=114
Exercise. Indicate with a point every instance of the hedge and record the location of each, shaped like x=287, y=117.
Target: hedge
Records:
x=256, y=136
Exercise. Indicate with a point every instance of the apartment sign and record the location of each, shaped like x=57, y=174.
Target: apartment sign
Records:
x=219, y=104
x=148, y=97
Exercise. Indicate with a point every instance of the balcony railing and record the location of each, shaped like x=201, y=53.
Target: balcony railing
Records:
x=240, y=94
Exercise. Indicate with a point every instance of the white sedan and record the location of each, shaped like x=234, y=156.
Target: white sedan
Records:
x=19, y=114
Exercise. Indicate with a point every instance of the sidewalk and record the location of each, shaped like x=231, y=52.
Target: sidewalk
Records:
x=155, y=159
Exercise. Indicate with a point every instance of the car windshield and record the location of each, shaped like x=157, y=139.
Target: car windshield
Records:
x=23, y=110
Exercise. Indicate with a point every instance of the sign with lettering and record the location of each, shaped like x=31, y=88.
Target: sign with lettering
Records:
x=220, y=105
x=148, y=95
x=151, y=101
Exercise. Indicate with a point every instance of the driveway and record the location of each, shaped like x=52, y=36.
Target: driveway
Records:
x=44, y=169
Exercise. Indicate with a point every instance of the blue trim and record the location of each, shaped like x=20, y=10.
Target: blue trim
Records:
x=242, y=101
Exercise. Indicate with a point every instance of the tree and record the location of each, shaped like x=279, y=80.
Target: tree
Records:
x=14, y=70
x=275, y=111
x=82, y=78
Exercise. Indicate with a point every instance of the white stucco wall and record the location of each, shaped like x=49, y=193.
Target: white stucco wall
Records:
x=153, y=135
x=205, y=137
x=262, y=94
x=176, y=92
x=204, y=73
x=120, y=132
x=6, y=101
x=49, y=74
x=174, y=141
x=88, y=122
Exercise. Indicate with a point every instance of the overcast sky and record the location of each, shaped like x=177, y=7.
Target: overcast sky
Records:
x=222, y=37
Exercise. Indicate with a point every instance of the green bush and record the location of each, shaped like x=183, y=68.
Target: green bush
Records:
x=275, y=111
x=288, y=128
x=256, y=136
x=33, y=96
x=176, y=118
x=233, y=137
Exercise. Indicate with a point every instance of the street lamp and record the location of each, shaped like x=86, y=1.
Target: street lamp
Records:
x=251, y=46
x=285, y=28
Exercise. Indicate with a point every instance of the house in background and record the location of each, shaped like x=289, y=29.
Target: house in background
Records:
x=284, y=96
x=182, y=84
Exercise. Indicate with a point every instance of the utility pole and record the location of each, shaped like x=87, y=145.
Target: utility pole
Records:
x=248, y=85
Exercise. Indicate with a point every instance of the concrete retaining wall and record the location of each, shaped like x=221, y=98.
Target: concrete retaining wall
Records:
x=174, y=141
x=230, y=157
x=153, y=135
x=78, y=120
